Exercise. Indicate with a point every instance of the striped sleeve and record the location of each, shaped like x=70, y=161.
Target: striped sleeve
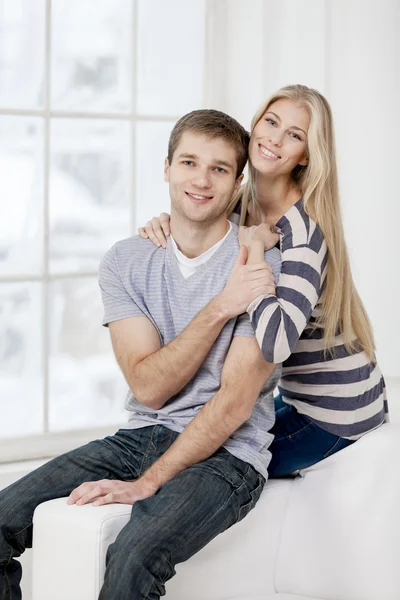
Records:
x=279, y=321
x=118, y=304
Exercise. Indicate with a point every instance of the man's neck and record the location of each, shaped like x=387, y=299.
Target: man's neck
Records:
x=275, y=196
x=192, y=238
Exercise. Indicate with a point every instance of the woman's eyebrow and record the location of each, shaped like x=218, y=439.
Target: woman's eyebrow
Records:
x=277, y=117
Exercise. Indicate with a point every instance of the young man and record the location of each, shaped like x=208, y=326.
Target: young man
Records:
x=193, y=457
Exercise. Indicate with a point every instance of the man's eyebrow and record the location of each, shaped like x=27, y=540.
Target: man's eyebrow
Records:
x=215, y=161
x=277, y=117
x=187, y=155
x=222, y=163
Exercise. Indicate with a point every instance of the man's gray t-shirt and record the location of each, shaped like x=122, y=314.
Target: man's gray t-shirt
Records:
x=138, y=279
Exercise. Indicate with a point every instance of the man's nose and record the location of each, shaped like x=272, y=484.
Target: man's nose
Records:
x=202, y=179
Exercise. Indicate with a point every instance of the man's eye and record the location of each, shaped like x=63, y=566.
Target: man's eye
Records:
x=188, y=162
x=220, y=170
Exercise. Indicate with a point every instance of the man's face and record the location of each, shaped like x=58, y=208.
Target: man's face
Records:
x=202, y=177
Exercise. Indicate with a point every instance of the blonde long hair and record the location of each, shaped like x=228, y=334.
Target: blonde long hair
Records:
x=341, y=306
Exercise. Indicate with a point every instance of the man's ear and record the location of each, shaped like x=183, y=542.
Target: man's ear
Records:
x=166, y=169
x=238, y=182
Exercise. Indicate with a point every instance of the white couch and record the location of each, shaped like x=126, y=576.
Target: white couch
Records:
x=332, y=533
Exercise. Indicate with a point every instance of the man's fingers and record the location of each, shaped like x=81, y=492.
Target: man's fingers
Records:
x=242, y=257
x=81, y=490
x=257, y=275
x=91, y=495
x=107, y=499
x=260, y=267
x=264, y=290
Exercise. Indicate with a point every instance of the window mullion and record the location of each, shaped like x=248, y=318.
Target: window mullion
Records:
x=46, y=315
x=132, y=204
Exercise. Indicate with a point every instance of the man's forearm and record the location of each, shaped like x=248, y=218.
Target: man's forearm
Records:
x=158, y=377
x=211, y=427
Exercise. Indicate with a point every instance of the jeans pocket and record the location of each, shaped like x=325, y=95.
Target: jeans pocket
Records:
x=339, y=444
x=252, y=498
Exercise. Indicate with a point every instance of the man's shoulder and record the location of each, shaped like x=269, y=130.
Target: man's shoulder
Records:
x=131, y=257
x=135, y=247
x=273, y=255
x=135, y=243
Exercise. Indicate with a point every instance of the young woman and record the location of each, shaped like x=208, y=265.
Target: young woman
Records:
x=331, y=390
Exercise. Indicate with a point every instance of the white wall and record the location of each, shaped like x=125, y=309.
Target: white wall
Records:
x=350, y=51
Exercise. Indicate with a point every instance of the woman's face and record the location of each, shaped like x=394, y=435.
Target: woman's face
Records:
x=279, y=140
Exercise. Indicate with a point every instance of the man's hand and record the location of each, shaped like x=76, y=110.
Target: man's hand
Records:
x=111, y=491
x=246, y=282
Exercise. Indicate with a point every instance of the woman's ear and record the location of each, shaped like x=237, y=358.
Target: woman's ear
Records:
x=304, y=162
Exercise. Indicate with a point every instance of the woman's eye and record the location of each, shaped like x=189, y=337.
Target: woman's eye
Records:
x=295, y=136
x=270, y=121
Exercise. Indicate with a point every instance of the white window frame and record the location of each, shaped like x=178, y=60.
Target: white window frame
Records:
x=49, y=444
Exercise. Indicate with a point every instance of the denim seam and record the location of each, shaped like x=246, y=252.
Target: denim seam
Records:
x=145, y=457
x=14, y=535
x=6, y=576
x=9, y=586
x=327, y=453
x=292, y=435
x=219, y=510
x=125, y=465
x=156, y=449
x=155, y=575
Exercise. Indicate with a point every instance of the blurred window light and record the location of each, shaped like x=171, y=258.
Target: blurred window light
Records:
x=89, y=92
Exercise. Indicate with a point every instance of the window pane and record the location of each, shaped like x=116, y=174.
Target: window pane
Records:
x=87, y=388
x=91, y=61
x=90, y=191
x=170, y=60
x=21, y=198
x=152, y=197
x=21, y=379
x=22, y=43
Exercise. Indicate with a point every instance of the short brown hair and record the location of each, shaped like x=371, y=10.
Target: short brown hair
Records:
x=213, y=124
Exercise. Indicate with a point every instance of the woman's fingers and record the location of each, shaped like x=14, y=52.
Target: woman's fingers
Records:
x=142, y=233
x=164, y=221
x=158, y=232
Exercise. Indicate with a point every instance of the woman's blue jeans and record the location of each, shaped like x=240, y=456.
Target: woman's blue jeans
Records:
x=298, y=442
x=165, y=529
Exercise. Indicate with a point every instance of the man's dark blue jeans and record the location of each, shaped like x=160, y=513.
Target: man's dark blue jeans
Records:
x=165, y=529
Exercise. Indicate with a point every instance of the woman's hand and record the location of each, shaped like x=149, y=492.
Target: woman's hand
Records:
x=157, y=230
x=259, y=233
x=245, y=284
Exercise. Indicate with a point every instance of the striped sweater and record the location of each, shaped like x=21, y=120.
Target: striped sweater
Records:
x=345, y=393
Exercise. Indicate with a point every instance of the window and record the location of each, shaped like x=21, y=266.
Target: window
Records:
x=89, y=92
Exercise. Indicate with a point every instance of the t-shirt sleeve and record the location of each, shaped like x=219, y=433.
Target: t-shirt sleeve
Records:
x=243, y=326
x=118, y=303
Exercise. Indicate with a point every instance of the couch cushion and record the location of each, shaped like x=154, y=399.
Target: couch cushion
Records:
x=343, y=524
x=70, y=544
